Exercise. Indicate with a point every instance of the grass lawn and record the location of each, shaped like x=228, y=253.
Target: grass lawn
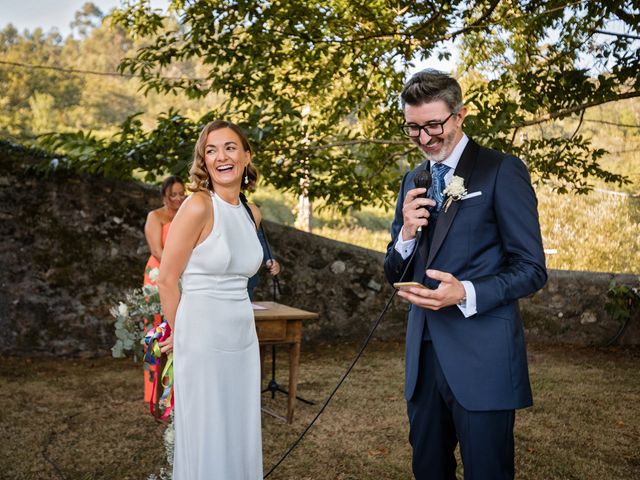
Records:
x=84, y=419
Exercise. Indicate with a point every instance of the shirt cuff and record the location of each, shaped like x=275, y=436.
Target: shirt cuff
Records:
x=468, y=306
x=405, y=247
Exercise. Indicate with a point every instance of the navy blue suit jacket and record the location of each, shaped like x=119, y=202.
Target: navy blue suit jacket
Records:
x=494, y=241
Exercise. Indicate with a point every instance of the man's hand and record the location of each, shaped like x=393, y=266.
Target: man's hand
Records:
x=449, y=292
x=414, y=212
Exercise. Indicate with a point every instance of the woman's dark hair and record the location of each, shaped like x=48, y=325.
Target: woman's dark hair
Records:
x=168, y=182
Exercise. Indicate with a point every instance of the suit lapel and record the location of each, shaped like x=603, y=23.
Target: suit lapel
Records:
x=445, y=219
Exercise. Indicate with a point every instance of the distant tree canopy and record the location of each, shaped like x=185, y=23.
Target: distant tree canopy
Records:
x=315, y=83
x=53, y=84
x=39, y=92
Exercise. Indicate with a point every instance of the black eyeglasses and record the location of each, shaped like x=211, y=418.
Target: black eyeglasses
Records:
x=432, y=128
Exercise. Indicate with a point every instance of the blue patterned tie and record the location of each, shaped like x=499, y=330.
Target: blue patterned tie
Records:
x=438, y=171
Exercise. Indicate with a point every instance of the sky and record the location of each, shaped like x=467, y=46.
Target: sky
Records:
x=30, y=14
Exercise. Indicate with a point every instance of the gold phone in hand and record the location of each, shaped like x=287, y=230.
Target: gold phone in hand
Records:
x=399, y=285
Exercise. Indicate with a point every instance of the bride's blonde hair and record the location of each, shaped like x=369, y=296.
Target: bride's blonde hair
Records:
x=198, y=173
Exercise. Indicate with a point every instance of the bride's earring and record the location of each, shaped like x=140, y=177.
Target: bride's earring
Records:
x=246, y=176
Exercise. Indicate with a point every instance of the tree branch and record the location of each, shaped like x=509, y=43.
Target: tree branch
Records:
x=567, y=111
x=424, y=25
x=477, y=25
x=615, y=124
x=390, y=160
x=485, y=15
x=408, y=34
x=615, y=34
x=362, y=141
x=513, y=137
x=627, y=17
x=579, y=124
x=564, y=147
x=345, y=143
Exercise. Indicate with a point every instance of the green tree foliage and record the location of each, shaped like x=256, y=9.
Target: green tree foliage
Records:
x=33, y=64
x=40, y=106
x=20, y=90
x=316, y=83
x=552, y=60
x=86, y=19
x=80, y=75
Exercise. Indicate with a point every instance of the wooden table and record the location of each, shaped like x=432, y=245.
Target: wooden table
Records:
x=281, y=324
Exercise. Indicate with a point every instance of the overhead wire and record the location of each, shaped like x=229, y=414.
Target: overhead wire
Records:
x=78, y=71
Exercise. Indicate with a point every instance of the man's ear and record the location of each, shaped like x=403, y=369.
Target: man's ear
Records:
x=460, y=116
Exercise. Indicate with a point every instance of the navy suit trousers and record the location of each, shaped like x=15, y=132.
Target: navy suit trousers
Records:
x=438, y=422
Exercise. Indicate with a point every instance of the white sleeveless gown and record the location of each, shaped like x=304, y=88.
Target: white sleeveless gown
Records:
x=216, y=356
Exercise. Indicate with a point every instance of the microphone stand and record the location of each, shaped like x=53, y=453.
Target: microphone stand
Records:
x=273, y=386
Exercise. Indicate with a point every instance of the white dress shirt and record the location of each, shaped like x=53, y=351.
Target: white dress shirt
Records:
x=405, y=248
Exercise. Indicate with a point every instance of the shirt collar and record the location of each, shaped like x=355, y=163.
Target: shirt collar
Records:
x=452, y=160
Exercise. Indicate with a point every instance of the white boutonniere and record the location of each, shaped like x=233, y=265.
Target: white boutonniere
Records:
x=454, y=191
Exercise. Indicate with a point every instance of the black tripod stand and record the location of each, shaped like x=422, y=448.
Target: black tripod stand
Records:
x=273, y=386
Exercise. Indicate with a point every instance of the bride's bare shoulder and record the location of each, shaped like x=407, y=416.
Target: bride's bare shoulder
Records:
x=197, y=204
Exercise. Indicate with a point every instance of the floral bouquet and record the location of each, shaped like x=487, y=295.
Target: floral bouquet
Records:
x=132, y=317
x=135, y=330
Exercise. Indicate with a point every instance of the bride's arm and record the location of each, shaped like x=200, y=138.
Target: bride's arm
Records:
x=185, y=232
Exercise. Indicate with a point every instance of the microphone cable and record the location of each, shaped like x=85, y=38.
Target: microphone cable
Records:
x=353, y=363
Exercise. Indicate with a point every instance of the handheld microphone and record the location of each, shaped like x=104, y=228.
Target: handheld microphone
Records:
x=423, y=180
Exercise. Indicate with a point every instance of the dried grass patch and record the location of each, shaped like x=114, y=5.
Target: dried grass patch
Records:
x=85, y=417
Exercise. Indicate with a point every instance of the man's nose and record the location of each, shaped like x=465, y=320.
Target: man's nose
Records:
x=424, y=137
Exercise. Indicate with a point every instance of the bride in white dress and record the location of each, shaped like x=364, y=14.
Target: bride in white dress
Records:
x=212, y=244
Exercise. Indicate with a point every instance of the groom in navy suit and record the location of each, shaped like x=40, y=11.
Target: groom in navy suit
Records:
x=479, y=250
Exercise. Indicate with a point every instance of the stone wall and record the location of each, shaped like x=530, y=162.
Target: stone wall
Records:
x=570, y=308
x=346, y=285
x=70, y=246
